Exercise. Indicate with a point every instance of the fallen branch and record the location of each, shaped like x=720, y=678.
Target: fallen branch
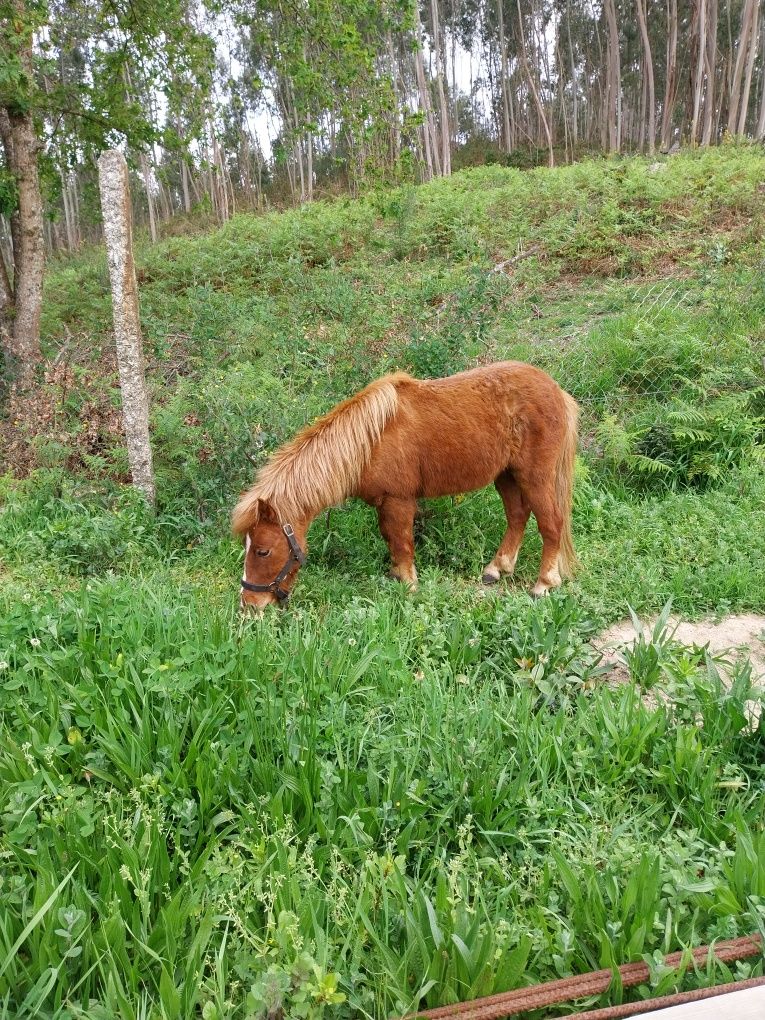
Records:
x=502, y=266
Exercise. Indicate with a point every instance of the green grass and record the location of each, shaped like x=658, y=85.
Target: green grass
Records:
x=379, y=800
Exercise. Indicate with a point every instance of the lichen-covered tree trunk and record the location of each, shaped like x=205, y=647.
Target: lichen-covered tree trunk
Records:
x=115, y=206
x=29, y=260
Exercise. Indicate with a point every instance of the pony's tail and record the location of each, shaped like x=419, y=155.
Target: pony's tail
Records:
x=564, y=486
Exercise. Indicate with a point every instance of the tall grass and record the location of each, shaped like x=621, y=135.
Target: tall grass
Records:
x=430, y=807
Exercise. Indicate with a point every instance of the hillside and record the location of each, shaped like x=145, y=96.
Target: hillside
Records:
x=425, y=797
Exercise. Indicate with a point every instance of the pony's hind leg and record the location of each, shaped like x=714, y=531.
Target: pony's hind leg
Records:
x=517, y=512
x=396, y=519
x=541, y=498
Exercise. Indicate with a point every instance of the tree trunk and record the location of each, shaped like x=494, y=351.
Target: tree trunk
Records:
x=650, y=121
x=753, y=43
x=196, y=187
x=642, y=113
x=6, y=306
x=542, y=60
x=396, y=113
x=68, y=225
x=698, y=74
x=711, y=64
x=614, y=102
x=431, y=153
x=574, y=84
x=226, y=181
x=149, y=198
x=185, y=186
x=184, y=170
x=115, y=205
x=738, y=71
x=446, y=156
x=670, y=89
x=455, y=127
x=534, y=92
x=22, y=340
x=164, y=201
x=506, y=140
x=74, y=201
x=759, y=133
x=245, y=165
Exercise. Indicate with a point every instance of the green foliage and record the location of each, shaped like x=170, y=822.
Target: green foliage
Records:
x=93, y=68
x=297, y=986
x=377, y=802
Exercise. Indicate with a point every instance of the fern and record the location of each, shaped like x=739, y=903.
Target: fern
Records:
x=688, y=442
x=649, y=465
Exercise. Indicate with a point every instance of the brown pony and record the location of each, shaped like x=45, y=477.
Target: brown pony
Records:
x=400, y=439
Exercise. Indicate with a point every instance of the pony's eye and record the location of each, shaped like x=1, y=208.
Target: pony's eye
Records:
x=264, y=552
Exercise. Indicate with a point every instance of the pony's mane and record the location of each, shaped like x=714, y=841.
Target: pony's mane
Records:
x=322, y=465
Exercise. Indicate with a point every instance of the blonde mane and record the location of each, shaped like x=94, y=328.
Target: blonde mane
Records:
x=323, y=463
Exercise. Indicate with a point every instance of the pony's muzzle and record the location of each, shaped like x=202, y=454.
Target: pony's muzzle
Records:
x=254, y=606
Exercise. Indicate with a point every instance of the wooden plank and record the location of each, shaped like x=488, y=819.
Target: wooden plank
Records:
x=748, y=1004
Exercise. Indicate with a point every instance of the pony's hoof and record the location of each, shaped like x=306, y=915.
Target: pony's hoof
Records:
x=409, y=582
x=489, y=579
x=539, y=591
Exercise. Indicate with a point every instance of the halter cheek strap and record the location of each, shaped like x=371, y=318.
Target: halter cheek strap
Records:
x=296, y=556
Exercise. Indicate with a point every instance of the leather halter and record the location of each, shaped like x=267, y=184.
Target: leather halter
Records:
x=296, y=555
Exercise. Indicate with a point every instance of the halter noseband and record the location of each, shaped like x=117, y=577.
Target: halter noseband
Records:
x=296, y=555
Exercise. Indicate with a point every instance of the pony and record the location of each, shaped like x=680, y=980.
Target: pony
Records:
x=401, y=439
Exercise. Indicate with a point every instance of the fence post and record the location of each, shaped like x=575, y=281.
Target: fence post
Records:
x=116, y=211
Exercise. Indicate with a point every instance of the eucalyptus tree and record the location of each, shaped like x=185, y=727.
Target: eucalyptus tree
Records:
x=75, y=77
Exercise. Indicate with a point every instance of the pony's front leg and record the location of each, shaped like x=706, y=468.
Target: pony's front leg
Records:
x=396, y=518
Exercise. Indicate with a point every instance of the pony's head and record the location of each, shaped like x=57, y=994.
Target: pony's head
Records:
x=274, y=551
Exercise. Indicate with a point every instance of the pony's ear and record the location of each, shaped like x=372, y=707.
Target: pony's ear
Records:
x=266, y=512
x=247, y=513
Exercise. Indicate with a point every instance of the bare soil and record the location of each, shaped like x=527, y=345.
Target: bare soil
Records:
x=736, y=638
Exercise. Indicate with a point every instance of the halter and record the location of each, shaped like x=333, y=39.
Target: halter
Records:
x=296, y=555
